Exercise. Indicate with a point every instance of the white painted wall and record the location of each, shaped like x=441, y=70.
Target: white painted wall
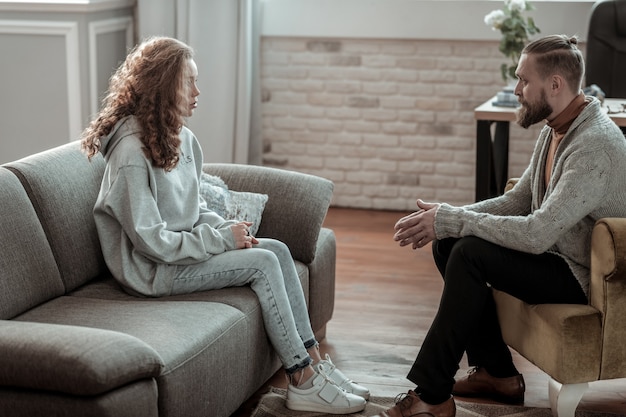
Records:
x=222, y=43
x=411, y=19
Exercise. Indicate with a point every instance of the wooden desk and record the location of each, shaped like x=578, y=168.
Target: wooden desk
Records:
x=492, y=153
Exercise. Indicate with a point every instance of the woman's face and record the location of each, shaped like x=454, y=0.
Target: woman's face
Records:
x=190, y=88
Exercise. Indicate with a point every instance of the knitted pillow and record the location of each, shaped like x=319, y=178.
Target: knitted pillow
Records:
x=232, y=205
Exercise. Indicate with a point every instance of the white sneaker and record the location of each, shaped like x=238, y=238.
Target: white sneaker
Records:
x=324, y=397
x=343, y=381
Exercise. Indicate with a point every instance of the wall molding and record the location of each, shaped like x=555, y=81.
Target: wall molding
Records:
x=71, y=6
x=97, y=28
x=69, y=30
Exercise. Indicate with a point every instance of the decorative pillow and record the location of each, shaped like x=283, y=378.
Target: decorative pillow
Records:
x=232, y=205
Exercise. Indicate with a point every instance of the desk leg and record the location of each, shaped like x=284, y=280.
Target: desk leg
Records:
x=501, y=156
x=492, y=159
x=484, y=160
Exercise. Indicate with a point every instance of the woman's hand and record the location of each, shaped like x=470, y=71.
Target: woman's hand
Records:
x=417, y=228
x=241, y=233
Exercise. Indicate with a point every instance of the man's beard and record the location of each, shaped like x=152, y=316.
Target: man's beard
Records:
x=531, y=113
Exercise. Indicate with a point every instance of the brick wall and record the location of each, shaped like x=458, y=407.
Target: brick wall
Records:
x=387, y=121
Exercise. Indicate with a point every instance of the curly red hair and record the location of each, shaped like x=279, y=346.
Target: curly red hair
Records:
x=147, y=85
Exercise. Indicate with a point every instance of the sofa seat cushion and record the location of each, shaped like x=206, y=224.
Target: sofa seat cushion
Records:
x=106, y=288
x=176, y=330
x=548, y=335
x=70, y=359
x=131, y=400
x=209, y=342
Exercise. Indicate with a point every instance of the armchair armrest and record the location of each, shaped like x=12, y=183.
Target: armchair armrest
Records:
x=607, y=291
x=71, y=359
x=510, y=184
x=296, y=207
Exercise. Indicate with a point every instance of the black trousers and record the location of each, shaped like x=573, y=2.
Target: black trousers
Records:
x=466, y=320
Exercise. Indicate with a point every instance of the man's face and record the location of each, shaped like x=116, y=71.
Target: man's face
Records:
x=534, y=112
x=531, y=93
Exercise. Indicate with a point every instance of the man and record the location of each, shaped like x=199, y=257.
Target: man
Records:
x=532, y=242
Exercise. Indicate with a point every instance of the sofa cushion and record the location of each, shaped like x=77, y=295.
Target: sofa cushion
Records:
x=106, y=288
x=296, y=207
x=71, y=359
x=63, y=185
x=28, y=272
x=177, y=330
x=132, y=400
x=199, y=341
x=232, y=205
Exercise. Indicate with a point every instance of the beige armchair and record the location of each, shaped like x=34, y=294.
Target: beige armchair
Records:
x=576, y=344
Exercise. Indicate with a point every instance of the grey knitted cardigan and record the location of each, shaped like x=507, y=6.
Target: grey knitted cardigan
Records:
x=588, y=182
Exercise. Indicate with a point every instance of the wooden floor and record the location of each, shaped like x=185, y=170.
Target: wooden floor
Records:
x=386, y=297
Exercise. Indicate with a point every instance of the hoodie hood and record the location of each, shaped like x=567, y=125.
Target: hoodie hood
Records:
x=124, y=127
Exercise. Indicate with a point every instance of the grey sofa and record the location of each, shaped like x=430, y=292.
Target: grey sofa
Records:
x=72, y=343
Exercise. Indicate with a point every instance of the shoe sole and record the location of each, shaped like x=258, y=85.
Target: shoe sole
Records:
x=499, y=398
x=366, y=397
x=318, y=408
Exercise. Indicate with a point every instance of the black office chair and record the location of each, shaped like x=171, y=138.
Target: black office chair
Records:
x=606, y=47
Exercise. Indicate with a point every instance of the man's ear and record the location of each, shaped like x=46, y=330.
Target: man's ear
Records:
x=557, y=84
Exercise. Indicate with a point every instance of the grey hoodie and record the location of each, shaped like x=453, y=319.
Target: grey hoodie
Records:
x=150, y=220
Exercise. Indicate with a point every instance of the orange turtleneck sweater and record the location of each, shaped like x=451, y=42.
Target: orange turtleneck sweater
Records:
x=560, y=125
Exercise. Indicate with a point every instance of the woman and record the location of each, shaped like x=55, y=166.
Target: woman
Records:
x=158, y=236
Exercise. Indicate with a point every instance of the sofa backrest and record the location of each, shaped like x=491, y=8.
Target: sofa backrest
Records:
x=28, y=271
x=63, y=185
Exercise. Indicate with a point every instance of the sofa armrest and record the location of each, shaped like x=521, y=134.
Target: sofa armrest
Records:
x=607, y=291
x=296, y=207
x=322, y=280
x=71, y=359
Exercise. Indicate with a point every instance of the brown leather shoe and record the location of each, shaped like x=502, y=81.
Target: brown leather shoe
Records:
x=412, y=405
x=478, y=383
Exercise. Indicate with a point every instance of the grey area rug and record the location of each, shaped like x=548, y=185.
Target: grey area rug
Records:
x=272, y=404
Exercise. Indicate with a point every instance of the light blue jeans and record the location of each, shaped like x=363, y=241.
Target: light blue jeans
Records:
x=269, y=270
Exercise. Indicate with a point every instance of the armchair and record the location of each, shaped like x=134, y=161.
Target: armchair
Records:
x=576, y=344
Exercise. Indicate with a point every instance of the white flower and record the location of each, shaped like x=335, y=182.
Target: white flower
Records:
x=516, y=30
x=495, y=19
x=519, y=5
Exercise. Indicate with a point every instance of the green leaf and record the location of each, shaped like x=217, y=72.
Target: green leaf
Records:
x=516, y=30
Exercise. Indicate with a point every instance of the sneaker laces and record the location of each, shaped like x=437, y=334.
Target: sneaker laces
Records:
x=320, y=371
x=292, y=378
x=332, y=366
